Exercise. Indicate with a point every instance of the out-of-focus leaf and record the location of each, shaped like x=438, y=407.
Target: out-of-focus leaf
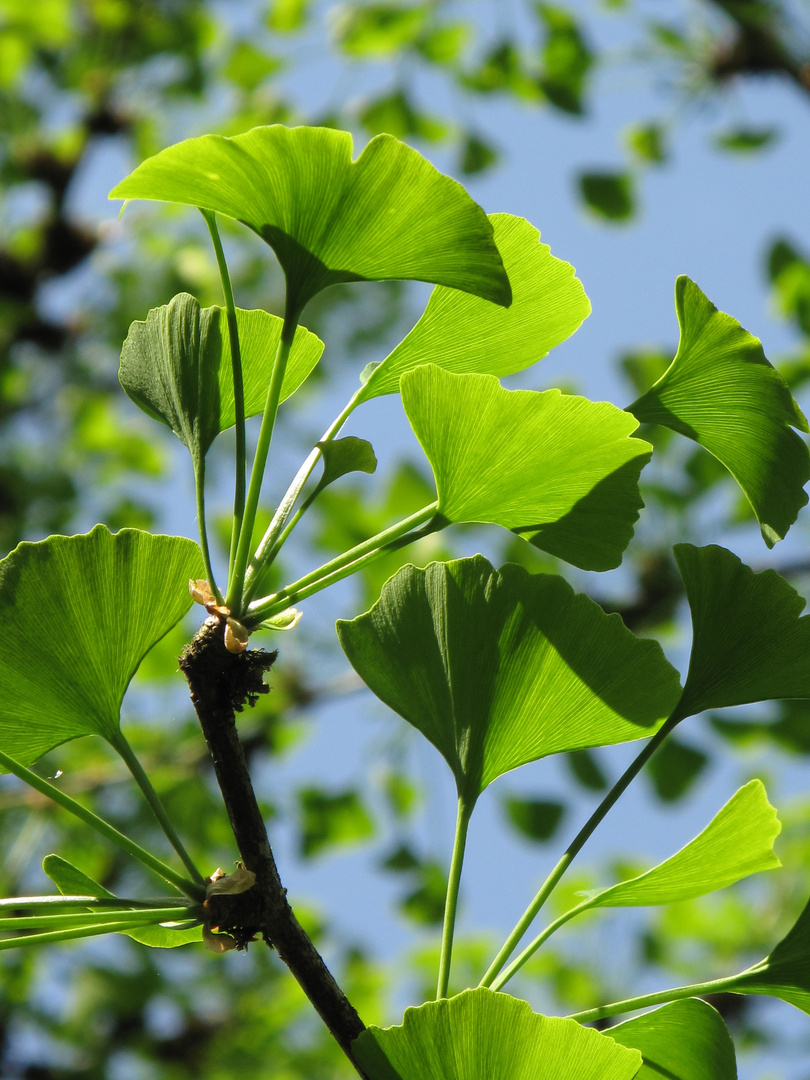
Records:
x=425, y=903
x=674, y=768
x=566, y=59
x=176, y=366
x=748, y=642
x=536, y=819
x=331, y=819
x=379, y=29
x=686, y=1040
x=287, y=16
x=397, y=115
x=80, y=613
x=477, y=155
x=462, y=333
x=389, y=214
x=646, y=143
x=480, y=1035
x=610, y=196
x=499, y=668
x=248, y=66
x=746, y=140
x=559, y=470
x=585, y=767
x=721, y=391
x=444, y=44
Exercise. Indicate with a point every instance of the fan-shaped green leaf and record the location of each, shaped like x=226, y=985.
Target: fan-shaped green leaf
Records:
x=748, y=642
x=737, y=842
x=70, y=881
x=481, y=1035
x=686, y=1040
x=785, y=973
x=176, y=365
x=341, y=456
x=389, y=214
x=722, y=392
x=559, y=470
x=79, y=613
x=463, y=333
x=499, y=668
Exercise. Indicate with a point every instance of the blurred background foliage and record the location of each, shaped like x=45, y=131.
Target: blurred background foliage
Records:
x=87, y=89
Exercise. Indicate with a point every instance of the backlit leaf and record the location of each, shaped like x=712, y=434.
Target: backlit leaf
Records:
x=499, y=668
x=737, y=842
x=80, y=612
x=462, y=333
x=686, y=1040
x=481, y=1035
x=70, y=881
x=389, y=214
x=785, y=973
x=721, y=391
x=748, y=642
x=176, y=365
x=559, y=470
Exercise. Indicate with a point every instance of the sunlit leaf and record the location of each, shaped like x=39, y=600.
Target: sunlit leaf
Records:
x=722, y=392
x=463, y=333
x=70, y=881
x=176, y=365
x=481, y=1035
x=748, y=642
x=785, y=973
x=737, y=842
x=389, y=214
x=686, y=1040
x=379, y=29
x=559, y=470
x=499, y=668
x=79, y=613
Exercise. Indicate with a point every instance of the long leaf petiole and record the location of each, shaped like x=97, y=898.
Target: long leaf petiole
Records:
x=403, y=532
x=194, y=889
x=451, y=901
x=575, y=847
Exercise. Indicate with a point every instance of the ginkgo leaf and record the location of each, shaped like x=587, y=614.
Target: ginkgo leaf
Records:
x=500, y=667
x=389, y=214
x=721, y=391
x=686, y=1040
x=785, y=973
x=481, y=1035
x=176, y=365
x=559, y=470
x=80, y=612
x=748, y=642
x=737, y=842
x=341, y=456
x=463, y=333
x=71, y=881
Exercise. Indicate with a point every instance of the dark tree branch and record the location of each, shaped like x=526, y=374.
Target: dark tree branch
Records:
x=221, y=683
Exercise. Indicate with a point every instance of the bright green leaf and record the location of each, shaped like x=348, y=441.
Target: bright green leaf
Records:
x=176, y=365
x=395, y=114
x=389, y=214
x=341, y=456
x=559, y=470
x=722, y=392
x=482, y=1035
x=80, y=613
x=70, y=881
x=785, y=973
x=499, y=668
x=748, y=642
x=737, y=842
x=379, y=29
x=462, y=333
x=686, y=1040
